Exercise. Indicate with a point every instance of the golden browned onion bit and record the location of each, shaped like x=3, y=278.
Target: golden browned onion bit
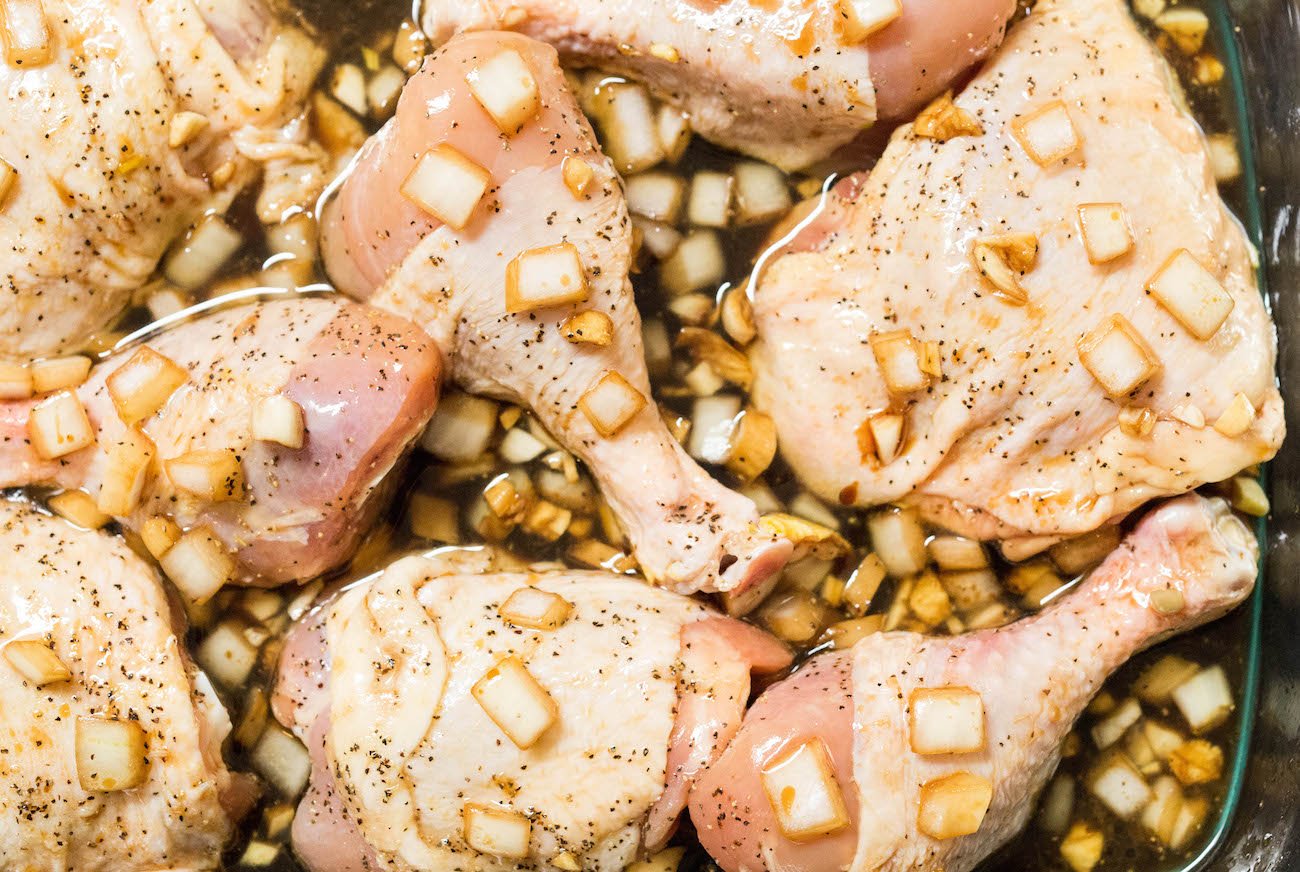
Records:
x=588, y=327
x=1003, y=259
x=664, y=52
x=944, y=120
x=753, y=445
x=1137, y=421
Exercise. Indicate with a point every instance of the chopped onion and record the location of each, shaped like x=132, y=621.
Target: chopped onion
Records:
x=165, y=302
x=708, y=347
x=383, y=90
x=863, y=584
x=547, y=521
x=410, y=47
x=659, y=239
x=515, y=702
x=1205, y=699
x=753, y=445
x=1082, y=847
x=666, y=860
x=954, y=805
x=928, y=600
x=198, y=564
x=59, y=373
x=543, y=277
x=1003, y=259
x=348, y=86
x=898, y=537
x=674, y=128
x=1189, y=414
x=201, y=254
x=694, y=310
x=279, y=419
x=520, y=446
x=598, y=555
x=111, y=754
x=1186, y=26
x=737, y=314
x=1057, y=805
x=1119, y=786
x=698, y=263
x=536, y=609
x=36, y=662
x=843, y=635
x=1105, y=231
x=282, y=760
x=1136, y=422
x=577, y=175
x=627, y=117
x=944, y=120
x=709, y=204
x=1157, y=682
x=1225, y=159
x=656, y=195
x=226, y=655
x=808, y=537
x=958, y=552
x=1117, y=356
x=447, y=185
x=126, y=470
x=496, y=832
x=859, y=19
x=1077, y=555
x=58, y=426
x=801, y=788
x=215, y=475
x=26, y=33
x=78, y=507
x=461, y=428
x=1047, y=135
x=258, y=854
x=1237, y=418
x=793, y=617
x=762, y=193
x=143, y=384
x=611, y=404
x=1149, y=9
x=946, y=720
x=336, y=128
x=184, y=128
x=504, y=500
x=15, y=381
x=898, y=355
x=159, y=534
x=1191, y=294
x=1112, y=728
x=971, y=589
x=505, y=87
x=589, y=327
x=1161, y=813
x=1191, y=817
x=886, y=432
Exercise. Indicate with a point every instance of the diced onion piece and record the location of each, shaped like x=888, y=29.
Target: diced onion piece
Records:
x=166, y=302
x=958, y=553
x=627, y=117
x=886, y=432
x=713, y=423
x=1225, y=159
x=1205, y=699
x=899, y=539
x=515, y=702
x=59, y=373
x=143, y=384
x=1117, y=356
x=447, y=185
x=1248, y=496
x=15, y=381
x=863, y=584
x=698, y=263
x=809, y=537
x=279, y=419
x=762, y=193
x=383, y=90
x=695, y=310
x=8, y=175
x=1082, y=847
x=898, y=355
x=753, y=445
x=226, y=655
x=1157, y=682
x=1149, y=9
x=258, y=854
x=611, y=404
x=674, y=131
x=58, y=426
x=1237, y=418
x=944, y=120
x=215, y=475
x=159, y=533
x=505, y=87
x=954, y=805
x=1191, y=816
x=667, y=860
x=737, y=315
x=946, y=720
x=201, y=254
x=1191, y=294
x=348, y=86
x=588, y=327
x=184, y=128
x=1189, y=414
x=536, y=609
x=656, y=195
x=461, y=429
x=542, y=277
x=859, y=19
x=36, y=662
x=659, y=239
x=1161, y=813
x=198, y=564
x=1111, y=729
x=1197, y=762
x=282, y=760
x=577, y=175
x=435, y=518
x=546, y=520
x=496, y=832
x=110, y=754
x=1119, y=786
x=971, y=589
x=26, y=33
x=1057, y=805
x=599, y=555
x=792, y=617
x=79, y=508
x=1003, y=259
x=520, y=446
x=708, y=347
x=504, y=499
x=1105, y=231
x=1186, y=26
x=409, y=47
x=1047, y=134
x=709, y=204
x=1077, y=555
x=801, y=787
x=1136, y=421
x=928, y=600
x=126, y=470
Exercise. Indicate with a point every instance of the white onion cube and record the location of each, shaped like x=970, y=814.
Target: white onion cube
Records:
x=216, y=475
x=859, y=19
x=656, y=195
x=201, y=254
x=1120, y=787
x=958, y=553
x=954, y=805
x=710, y=199
x=1205, y=699
x=505, y=87
x=279, y=419
x=26, y=33
x=542, y=277
x=762, y=192
x=198, y=564
x=1191, y=294
x=1047, y=135
x=126, y=471
x=110, y=754
x=143, y=384
x=898, y=539
x=36, y=662
x=946, y=720
x=58, y=426
x=611, y=404
x=1117, y=356
x=461, y=428
x=496, y=832
x=1105, y=230
x=698, y=263
x=515, y=702
x=898, y=355
x=59, y=373
x=802, y=790
x=536, y=609
x=447, y=185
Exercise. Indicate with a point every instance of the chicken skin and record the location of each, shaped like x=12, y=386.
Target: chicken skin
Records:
x=389, y=684
x=1036, y=313
x=112, y=662
x=1033, y=679
x=363, y=382
x=786, y=81
x=689, y=532
x=126, y=125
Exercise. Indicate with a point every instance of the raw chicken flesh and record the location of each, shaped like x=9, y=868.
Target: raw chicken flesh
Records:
x=647, y=686
x=102, y=611
x=1035, y=677
x=101, y=191
x=366, y=382
x=689, y=532
x=777, y=80
x=1016, y=438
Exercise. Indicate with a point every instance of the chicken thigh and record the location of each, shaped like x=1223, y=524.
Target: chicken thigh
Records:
x=124, y=123
x=1029, y=682
x=268, y=428
x=111, y=737
x=787, y=81
x=552, y=221
x=461, y=717
x=1035, y=313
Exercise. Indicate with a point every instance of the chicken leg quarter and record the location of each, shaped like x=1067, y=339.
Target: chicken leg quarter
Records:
x=1034, y=678
x=689, y=532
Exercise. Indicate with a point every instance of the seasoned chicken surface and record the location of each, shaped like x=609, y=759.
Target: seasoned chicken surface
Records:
x=365, y=383
x=136, y=120
x=101, y=611
x=1007, y=433
x=783, y=81
x=646, y=687
x=689, y=532
x=1034, y=678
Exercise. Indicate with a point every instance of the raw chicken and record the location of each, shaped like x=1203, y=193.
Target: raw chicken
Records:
x=89, y=124
x=380, y=681
x=366, y=383
x=689, y=532
x=88, y=600
x=777, y=80
x=1034, y=678
x=1015, y=436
